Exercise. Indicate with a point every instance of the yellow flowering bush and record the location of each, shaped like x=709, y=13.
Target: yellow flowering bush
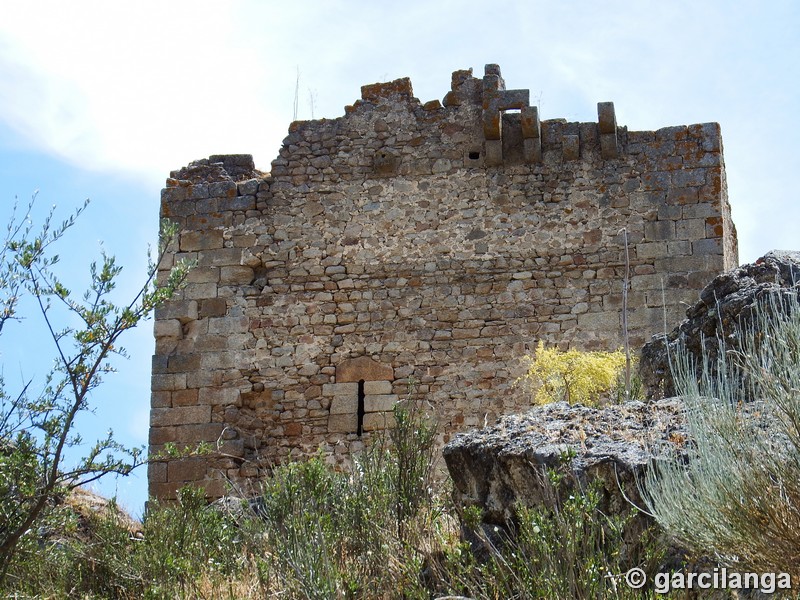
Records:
x=574, y=376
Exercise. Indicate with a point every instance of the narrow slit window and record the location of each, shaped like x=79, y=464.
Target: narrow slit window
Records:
x=361, y=410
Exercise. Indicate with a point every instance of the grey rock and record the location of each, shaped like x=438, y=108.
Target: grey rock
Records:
x=725, y=306
x=502, y=466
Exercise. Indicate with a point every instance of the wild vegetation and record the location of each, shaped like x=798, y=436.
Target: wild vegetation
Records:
x=737, y=497
x=575, y=376
x=37, y=421
x=383, y=530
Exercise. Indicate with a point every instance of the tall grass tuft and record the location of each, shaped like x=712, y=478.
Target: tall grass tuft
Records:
x=737, y=494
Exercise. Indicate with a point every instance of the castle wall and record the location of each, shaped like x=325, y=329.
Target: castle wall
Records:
x=416, y=250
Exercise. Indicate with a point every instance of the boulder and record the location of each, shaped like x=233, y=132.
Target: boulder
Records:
x=726, y=304
x=503, y=466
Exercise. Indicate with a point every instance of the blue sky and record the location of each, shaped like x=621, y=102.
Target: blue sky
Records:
x=101, y=100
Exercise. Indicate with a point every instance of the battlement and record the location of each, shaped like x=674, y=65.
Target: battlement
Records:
x=416, y=249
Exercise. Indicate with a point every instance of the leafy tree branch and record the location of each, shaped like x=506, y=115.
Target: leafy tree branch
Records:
x=37, y=429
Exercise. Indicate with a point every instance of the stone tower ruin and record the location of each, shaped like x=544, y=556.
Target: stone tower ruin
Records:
x=409, y=249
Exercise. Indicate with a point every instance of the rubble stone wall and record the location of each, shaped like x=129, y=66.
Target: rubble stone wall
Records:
x=408, y=249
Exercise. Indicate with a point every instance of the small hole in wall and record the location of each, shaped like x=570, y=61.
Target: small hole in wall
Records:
x=360, y=409
x=474, y=155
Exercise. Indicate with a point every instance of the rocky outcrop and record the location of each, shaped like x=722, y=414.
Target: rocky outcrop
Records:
x=502, y=466
x=725, y=306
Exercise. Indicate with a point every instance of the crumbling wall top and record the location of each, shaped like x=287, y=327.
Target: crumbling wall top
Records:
x=215, y=168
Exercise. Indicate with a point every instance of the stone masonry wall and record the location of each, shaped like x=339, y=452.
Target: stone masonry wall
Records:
x=416, y=249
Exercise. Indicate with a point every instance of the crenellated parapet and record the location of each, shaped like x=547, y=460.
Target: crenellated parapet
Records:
x=507, y=129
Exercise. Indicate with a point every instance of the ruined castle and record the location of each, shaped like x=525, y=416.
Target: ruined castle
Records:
x=410, y=249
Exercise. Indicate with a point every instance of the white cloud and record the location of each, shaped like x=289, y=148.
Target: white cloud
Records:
x=133, y=86
x=148, y=86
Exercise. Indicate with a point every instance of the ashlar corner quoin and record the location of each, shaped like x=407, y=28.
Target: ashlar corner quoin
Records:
x=416, y=249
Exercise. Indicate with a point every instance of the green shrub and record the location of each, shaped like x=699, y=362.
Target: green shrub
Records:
x=570, y=551
x=575, y=376
x=380, y=530
x=357, y=534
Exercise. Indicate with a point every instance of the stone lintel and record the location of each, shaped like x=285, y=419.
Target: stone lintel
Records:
x=363, y=367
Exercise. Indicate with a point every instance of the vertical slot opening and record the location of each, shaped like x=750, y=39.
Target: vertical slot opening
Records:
x=361, y=411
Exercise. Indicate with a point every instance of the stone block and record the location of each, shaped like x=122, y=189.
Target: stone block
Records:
x=659, y=231
x=689, y=178
x=223, y=396
x=188, y=469
x=532, y=150
x=656, y=180
x=184, y=397
x=606, y=118
x=700, y=211
x=199, y=191
x=599, y=321
x=161, y=435
x=222, y=189
x=194, y=433
x=380, y=402
x=679, y=248
x=192, y=241
x=707, y=246
x=244, y=202
x=159, y=363
x=203, y=275
x=378, y=420
x=164, y=491
x=680, y=264
x=609, y=147
x=670, y=213
x=344, y=405
x=493, y=153
x=170, y=328
x=651, y=318
x=570, y=147
x=340, y=389
x=168, y=382
x=182, y=363
x=529, y=121
x=212, y=307
x=691, y=229
x=231, y=448
x=200, y=291
x=157, y=472
x=378, y=92
x=340, y=423
x=161, y=399
x=363, y=367
x=173, y=194
x=649, y=250
x=220, y=257
x=182, y=310
x=228, y=325
x=683, y=197
x=293, y=429
x=179, y=415
x=213, y=488
x=236, y=275
x=377, y=387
